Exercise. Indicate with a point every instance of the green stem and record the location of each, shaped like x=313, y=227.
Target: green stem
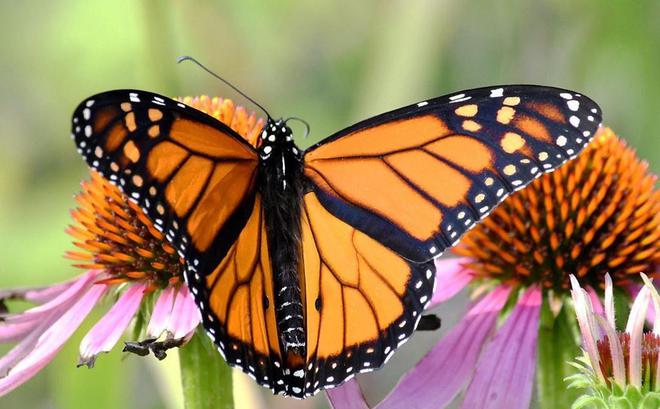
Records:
x=206, y=378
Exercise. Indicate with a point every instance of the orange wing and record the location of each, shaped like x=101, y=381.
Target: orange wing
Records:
x=417, y=178
x=238, y=297
x=193, y=176
x=361, y=299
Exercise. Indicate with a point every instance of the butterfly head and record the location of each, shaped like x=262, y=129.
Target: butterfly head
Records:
x=276, y=136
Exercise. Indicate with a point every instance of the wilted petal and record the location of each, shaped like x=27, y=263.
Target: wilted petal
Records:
x=185, y=315
x=505, y=373
x=452, y=278
x=160, y=317
x=444, y=371
x=51, y=341
x=347, y=396
x=106, y=333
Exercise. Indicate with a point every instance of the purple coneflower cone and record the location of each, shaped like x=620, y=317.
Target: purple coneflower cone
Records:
x=597, y=214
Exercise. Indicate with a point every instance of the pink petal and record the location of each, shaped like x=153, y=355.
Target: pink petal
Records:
x=185, y=315
x=616, y=351
x=347, y=396
x=450, y=277
x=51, y=341
x=635, y=328
x=16, y=332
x=160, y=317
x=609, y=301
x=106, y=333
x=444, y=371
x=63, y=300
x=28, y=327
x=37, y=295
x=586, y=322
x=634, y=289
x=505, y=373
x=595, y=301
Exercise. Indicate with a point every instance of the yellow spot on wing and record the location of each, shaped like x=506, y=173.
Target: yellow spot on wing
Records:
x=511, y=101
x=131, y=151
x=467, y=110
x=509, y=170
x=155, y=114
x=471, y=126
x=130, y=121
x=154, y=131
x=511, y=142
x=505, y=115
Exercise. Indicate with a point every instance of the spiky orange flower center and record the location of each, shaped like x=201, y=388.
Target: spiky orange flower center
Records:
x=650, y=351
x=114, y=234
x=598, y=213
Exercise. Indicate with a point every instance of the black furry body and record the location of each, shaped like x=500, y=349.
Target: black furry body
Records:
x=281, y=189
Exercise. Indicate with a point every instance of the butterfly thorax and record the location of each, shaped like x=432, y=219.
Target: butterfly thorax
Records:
x=281, y=190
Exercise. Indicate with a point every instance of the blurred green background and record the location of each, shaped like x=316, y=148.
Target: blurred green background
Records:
x=331, y=63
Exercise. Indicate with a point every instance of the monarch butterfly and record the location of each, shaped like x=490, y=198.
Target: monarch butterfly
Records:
x=309, y=267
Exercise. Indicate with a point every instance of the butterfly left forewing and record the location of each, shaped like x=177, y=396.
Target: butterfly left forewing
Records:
x=192, y=175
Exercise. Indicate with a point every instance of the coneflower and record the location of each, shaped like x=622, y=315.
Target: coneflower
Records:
x=618, y=368
x=599, y=213
x=127, y=262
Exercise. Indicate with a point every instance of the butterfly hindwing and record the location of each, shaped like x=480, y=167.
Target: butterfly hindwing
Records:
x=362, y=300
x=416, y=179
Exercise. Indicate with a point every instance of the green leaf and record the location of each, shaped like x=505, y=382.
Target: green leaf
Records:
x=556, y=348
x=206, y=378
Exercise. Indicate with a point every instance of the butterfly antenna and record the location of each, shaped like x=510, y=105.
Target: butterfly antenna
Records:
x=232, y=86
x=295, y=118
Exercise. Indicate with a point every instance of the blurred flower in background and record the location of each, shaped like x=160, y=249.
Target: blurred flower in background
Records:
x=599, y=213
x=619, y=369
x=128, y=263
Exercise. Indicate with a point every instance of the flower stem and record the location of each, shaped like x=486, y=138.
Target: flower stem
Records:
x=206, y=378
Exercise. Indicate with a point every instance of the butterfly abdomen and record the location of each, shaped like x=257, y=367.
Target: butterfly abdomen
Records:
x=281, y=189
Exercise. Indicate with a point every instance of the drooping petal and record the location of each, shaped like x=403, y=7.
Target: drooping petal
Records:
x=51, y=341
x=16, y=332
x=27, y=327
x=65, y=298
x=160, y=317
x=505, y=373
x=106, y=333
x=347, y=396
x=185, y=315
x=37, y=295
x=635, y=328
x=585, y=322
x=445, y=370
x=451, y=277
